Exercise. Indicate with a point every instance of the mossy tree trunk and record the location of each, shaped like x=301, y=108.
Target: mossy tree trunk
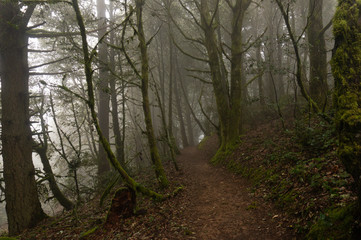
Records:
x=41, y=148
x=165, y=129
x=91, y=104
x=346, y=69
x=238, y=85
x=228, y=98
x=23, y=207
x=219, y=84
x=154, y=153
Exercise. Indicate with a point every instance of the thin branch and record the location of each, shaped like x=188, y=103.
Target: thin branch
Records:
x=326, y=28
x=150, y=40
x=183, y=33
x=205, y=114
x=188, y=54
x=190, y=13
x=35, y=26
x=48, y=74
x=254, y=42
x=48, y=63
x=28, y=13
x=200, y=79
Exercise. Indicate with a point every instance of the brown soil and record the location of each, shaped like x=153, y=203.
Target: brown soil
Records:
x=221, y=205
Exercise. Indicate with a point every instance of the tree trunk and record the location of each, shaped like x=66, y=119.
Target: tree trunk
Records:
x=318, y=54
x=41, y=149
x=180, y=114
x=58, y=194
x=228, y=100
x=219, y=84
x=187, y=110
x=170, y=89
x=270, y=46
x=158, y=167
x=189, y=126
x=22, y=204
x=165, y=129
x=260, y=76
x=237, y=82
x=185, y=95
x=279, y=80
x=346, y=69
x=91, y=104
x=115, y=113
x=103, y=89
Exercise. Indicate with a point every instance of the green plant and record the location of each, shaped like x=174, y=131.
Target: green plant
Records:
x=317, y=138
x=334, y=224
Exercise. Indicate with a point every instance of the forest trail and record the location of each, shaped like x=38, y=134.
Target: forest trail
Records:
x=214, y=205
x=220, y=204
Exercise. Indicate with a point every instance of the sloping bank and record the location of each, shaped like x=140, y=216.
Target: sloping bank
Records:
x=299, y=171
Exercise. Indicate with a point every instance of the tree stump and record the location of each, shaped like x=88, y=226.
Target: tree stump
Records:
x=123, y=205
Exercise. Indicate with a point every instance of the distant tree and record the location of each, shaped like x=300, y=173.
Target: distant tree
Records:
x=119, y=134
x=22, y=204
x=299, y=73
x=346, y=69
x=270, y=46
x=318, y=54
x=103, y=87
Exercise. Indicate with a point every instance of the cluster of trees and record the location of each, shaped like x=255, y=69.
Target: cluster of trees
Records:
x=116, y=86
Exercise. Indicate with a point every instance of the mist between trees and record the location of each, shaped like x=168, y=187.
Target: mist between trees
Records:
x=98, y=89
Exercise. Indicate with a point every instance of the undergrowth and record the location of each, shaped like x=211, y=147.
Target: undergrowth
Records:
x=300, y=172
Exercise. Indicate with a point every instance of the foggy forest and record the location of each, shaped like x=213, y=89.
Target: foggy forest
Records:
x=180, y=119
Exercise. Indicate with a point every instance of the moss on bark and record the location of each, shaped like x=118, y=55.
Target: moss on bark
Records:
x=346, y=69
x=91, y=104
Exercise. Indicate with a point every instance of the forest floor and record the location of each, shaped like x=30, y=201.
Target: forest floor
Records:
x=214, y=204
x=284, y=187
x=220, y=205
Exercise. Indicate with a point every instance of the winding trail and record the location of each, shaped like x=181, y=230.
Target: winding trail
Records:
x=220, y=205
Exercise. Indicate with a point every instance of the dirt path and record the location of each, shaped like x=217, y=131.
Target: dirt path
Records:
x=214, y=204
x=221, y=206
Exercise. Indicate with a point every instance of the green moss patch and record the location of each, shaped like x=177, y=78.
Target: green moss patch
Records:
x=334, y=224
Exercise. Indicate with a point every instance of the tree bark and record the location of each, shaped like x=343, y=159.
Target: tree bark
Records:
x=22, y=204
x=228, y=100
x=158, y=167
x=91, y=104
x=180, y=114
x=41, y=149
x=103, y=88
x=279, y=80
x=58, y=194
x=260, y=76
x=219, y=84
x=346, y=69
x=238, y=85
x=318, y=54
x=114, y=102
